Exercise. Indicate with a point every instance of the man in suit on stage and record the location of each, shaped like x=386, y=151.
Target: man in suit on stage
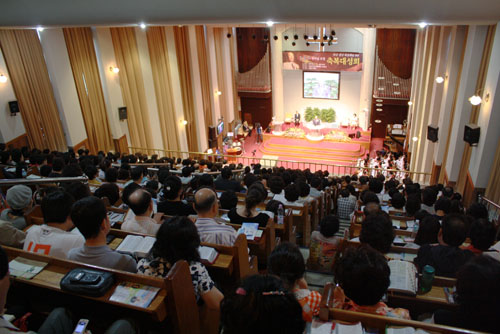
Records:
x=296, y=118
x=316, y=121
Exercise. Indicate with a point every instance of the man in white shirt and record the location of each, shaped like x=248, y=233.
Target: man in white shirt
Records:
x=57, y=235
x=207, y=207
x=141, y=204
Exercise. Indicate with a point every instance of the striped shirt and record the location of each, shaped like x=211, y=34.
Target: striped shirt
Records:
x=215, y=233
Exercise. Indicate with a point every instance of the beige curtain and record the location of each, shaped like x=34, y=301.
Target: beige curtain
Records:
x=221, y=78
x=493, y=189
x=80, y=46
x=26, y=65
x=206, y=88
x=132, y=86
x=182, y=48
x=158, y=53
x=234, y=66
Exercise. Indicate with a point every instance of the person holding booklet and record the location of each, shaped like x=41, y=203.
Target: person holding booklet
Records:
x=256, y=194
x=176, y=240
x=141, y=203
x=363, y=277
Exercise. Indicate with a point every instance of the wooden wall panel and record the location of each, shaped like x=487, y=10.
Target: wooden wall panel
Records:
x=18, y=142
x=121, y=144
x=396, y=48
x=436, y=169
x=393, y=112
x=83, y=144
x=257, y=107
x=250, y=50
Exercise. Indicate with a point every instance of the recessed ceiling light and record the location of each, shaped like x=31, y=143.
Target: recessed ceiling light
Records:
x=381, y=78
x=439, y=80
x=381, y=88
x=397, y=93
x=269, y=23
x=379, y=100
x=378, y=121
x=395, y=84
x=379, y=105
x=410, y=103
x=422, y=24
x=475, y=100
x=142, y=25
x=415, y=139
x=380, y=109
x=39, y=29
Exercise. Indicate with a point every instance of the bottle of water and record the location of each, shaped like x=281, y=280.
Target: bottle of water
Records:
x=415, y=229
x=281, y=215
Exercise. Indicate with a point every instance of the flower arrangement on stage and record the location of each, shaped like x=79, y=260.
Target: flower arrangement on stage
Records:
x=325, y=115
x=336, y=135
x=294, y=133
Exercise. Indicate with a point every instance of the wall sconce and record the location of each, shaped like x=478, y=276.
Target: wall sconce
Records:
x=475, y=100
x=143, y=25
x=3, y=78
x=415, y=139
x=113, y=69
x=184, y=122
x=410, y=103
x=218, y=93
x=439, y=80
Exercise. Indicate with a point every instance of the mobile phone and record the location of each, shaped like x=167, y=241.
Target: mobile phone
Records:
x=81, y=326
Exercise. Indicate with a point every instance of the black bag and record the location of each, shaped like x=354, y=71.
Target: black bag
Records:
x=87, y=282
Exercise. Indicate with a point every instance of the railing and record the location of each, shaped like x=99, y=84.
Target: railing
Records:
x=46, y=180
x=493, y=208
x=267, y=162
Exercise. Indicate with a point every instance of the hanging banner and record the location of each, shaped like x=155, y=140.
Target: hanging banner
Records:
x=322, y=61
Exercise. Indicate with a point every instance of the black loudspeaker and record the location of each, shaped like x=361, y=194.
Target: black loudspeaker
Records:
x=14, y=107
x=212, y=143
x=358, y=134
x=471, y=134
x=122, y=113
x=212, y=133
x=432, y=133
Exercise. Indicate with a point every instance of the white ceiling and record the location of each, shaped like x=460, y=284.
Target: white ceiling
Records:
x=356, y=12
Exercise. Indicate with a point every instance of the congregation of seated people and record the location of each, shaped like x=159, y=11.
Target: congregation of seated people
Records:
x=180, y=204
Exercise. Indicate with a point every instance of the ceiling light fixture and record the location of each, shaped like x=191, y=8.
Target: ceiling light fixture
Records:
x=142, y=25
x=378, y=121
x=269, y=23
x=114, y=69
x=415, y=139
x=40, y=28
x=475, y=100
x=422, y=24
x=218, y=93
x=439, y=80
x=410, y=103
x=3, y=78
x=184, y=122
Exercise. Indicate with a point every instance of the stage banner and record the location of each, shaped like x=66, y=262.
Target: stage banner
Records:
x=322, y=61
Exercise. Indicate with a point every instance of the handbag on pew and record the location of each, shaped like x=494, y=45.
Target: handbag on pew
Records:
x=87, y=282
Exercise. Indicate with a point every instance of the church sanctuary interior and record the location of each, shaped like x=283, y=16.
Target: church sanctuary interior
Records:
x=249, y=167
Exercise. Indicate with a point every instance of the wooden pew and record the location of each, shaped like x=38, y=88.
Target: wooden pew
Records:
x=175, y=298
x=328, y=313
x=34, y=216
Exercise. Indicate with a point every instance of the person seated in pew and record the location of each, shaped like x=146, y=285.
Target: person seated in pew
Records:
x=276, y=187
x=316, y=189
x=249, y=214
x=428, y=230
x=90, y=217
x=206, y=181
x=377, y=231
x=478, y=297
x=19, y=199
x=345, y=205
x=172, y=203
x=429, y=197
x=77, y=190
x=412, y=205
x=291, y=196
x=363, y=277
x=446, y=257
x=287, y=263
x=224, y=182
x=57, y=236
x=228, y=200
x=178, y=239
x=261, y=305
x=211, y=231
x=482, y=236
x=92, y=173
x=304, y=191
x=11, y=236
x=398, y=202
x=324, y=244
x=59, y=321
x=442, y=207
x=143, y=221
x=186, y=175
x=273, y=206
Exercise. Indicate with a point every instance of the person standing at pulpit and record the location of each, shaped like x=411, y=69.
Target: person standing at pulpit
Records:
x=355, y=121
x=316, y=121
x=296, y=118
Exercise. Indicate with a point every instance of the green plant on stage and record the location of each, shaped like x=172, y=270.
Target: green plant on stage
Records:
x=325, y=115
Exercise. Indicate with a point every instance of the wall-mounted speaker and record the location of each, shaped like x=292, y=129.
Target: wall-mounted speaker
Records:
x=471, y=134
x=212, y=133
x=432, y=133
x=13, y=107
x=122, y=113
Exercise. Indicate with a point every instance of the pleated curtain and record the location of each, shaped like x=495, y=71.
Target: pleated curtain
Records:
x=132, y=86
x=207, y=91
x=28, y=71
x=158, y=53
x=224, y=87
x=80, y=46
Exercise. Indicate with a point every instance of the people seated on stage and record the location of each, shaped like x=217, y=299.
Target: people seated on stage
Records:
x=345, y=205
x=141, y=204
x=482, y=235
x=249, y=214
x=19, y=199
x=354, y=123
x=261, y=305
x=287, y=263
x=316, y=121
x=58, y=321
x=377, y=231
x=225, y=181
x=176, y=240
x=211, y=231
x=324, y=244
x=478, y=297
x=172, y=204
x=57, y=236
x=429, y=197
x=228, y=200
x=446, y=257
x=296, y=118
x=363, y=277
x=90, y=217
